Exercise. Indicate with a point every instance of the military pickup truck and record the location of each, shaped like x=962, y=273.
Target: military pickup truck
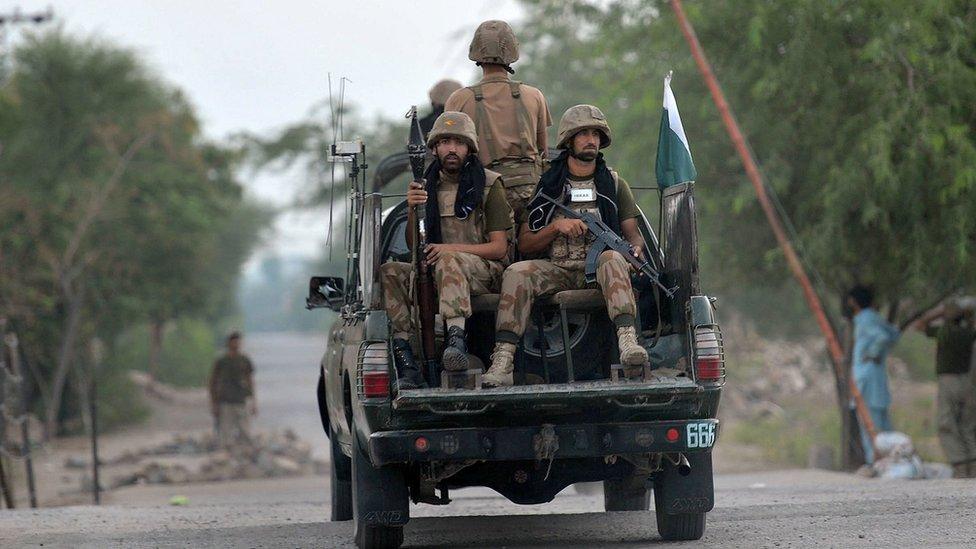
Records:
x=568, y=419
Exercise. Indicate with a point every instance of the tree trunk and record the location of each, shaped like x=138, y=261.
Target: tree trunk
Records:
x=69, y=340
x=155, y=347
x=851, y=452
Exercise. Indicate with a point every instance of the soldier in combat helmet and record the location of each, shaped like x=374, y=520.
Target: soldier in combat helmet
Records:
x=511, y=117
x=438, y=97
x=467, y=222
x=580, y=179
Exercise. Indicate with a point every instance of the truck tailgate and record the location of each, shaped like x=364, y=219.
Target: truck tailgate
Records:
x=661, y=393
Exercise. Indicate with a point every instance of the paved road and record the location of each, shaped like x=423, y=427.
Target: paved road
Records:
x=778, y=509
x=771, y=509
x=286, y=372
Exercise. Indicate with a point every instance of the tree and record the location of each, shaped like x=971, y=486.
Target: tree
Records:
x=113, y=204
x=861, y=114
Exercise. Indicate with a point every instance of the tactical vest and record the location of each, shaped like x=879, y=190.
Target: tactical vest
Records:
x=570, y=252
x=524, y=170
x=462, y=231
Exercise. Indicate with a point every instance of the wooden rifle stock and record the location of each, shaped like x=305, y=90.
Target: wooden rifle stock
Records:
x=424, y=294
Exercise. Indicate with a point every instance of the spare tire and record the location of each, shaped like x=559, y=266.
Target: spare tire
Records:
x=591, y=341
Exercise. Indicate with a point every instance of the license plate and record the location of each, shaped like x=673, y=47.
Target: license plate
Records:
x=700, y=435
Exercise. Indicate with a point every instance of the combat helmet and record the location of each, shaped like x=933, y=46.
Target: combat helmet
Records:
x=494, y=42
x=582, y=117
x=453, y=124
x=442, y=90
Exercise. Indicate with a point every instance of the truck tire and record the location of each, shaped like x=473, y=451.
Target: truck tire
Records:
x=323, y=404
x=620, y=495
x=683, y=527
x=379, y=502
x=341, y=485
x=688, y=494
x=590, y=340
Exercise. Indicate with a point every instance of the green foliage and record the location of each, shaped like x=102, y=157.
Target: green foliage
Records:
x=861, y=115
x=189, y=349
x=918, y=352
x=116, y=405
x=786, y=438
x=113, y=208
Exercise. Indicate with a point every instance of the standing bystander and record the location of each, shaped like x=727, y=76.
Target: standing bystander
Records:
x=873, y=338
x=956, y=398
x=232, y=395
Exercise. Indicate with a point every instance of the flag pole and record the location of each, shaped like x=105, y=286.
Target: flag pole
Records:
x=792, y=259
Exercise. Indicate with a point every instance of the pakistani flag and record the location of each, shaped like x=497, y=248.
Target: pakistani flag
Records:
x=674, y=164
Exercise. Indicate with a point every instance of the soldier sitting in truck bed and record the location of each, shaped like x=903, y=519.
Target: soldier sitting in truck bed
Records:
x=581, y=175
x=467, y=223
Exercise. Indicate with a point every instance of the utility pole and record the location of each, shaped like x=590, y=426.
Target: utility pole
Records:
x=834, y=348
x=16, y=17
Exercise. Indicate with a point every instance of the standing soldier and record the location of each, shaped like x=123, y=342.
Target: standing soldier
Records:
x=956, y=398
x=438, y=97
x=467, y=222
x=580, y=175
x=232, y=394
x=511, y=117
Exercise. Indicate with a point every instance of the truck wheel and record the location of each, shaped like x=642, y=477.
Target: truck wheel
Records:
x=341, y=486
x=379, y=502
x=620, y=495
x=686, y=526
x=688, y=494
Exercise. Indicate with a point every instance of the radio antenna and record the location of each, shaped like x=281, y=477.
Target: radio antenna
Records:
x=332, y=122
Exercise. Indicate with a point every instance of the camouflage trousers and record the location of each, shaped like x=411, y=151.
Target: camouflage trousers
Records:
x=457, y=277
x=526, y=280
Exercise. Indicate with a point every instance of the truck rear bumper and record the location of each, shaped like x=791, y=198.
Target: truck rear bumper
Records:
x=520, y=443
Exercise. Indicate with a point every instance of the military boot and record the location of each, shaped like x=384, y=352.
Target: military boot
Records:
x=455, y=357
x=408, y=371
x=631, y=353
x=502, y=367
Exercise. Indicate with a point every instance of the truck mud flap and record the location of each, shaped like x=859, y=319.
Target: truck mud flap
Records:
x=677, y=494
x=380, y=494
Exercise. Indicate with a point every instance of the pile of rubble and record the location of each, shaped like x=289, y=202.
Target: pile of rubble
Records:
x=196, y=458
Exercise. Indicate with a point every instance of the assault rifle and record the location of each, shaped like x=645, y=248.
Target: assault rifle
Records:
x=426, y=303
x=606, y=239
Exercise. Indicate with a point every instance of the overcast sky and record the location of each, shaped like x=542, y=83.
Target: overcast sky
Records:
x=257, y=66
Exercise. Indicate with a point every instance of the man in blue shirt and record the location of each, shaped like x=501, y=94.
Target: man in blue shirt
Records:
x=873, y=338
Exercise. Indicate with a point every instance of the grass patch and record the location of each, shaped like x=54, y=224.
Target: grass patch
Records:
x=787, y=436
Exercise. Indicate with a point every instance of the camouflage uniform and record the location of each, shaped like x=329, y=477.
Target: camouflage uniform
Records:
x=564, y=270
x=526, y=280
x=457, y=275
x=511, y=117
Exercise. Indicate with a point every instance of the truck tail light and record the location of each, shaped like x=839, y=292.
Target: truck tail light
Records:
x=374, y=370
x=709, y=354
x=376, y=384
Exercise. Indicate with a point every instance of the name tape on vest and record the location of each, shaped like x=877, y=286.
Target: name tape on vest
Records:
x=582, y=195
